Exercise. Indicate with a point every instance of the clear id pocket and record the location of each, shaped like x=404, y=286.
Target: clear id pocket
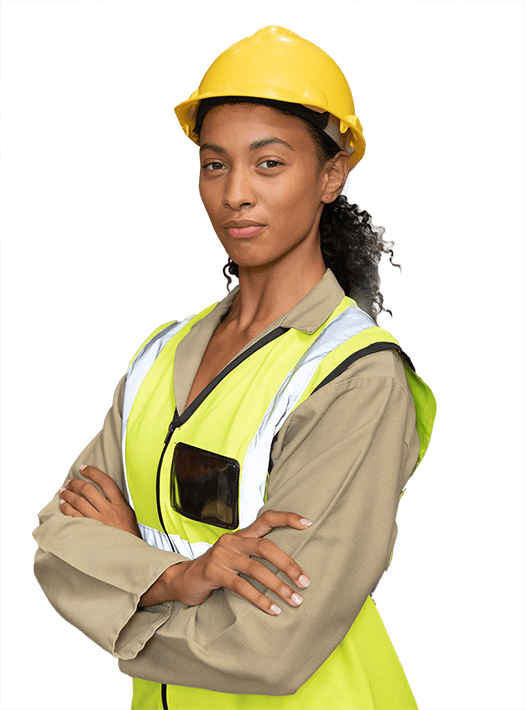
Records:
x=205, y=486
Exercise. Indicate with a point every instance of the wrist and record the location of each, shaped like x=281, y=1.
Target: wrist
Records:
x=164, y=589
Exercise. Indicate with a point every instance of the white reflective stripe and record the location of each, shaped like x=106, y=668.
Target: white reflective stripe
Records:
x=137, y=371
x=255, y=466
x=159, y=539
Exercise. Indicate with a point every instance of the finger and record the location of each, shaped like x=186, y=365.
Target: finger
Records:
x=79, y=503
x=262, y=574
x=271, y=519
x=68, y=509
x=89, y=492
x=105, y=482
x=244, y=589
x=268, y=550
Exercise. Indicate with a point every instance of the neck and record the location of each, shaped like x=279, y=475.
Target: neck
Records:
x=268, y=292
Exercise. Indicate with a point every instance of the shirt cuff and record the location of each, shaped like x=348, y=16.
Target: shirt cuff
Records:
x=140, y=628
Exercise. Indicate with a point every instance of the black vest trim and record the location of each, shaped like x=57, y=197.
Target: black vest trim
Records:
x=179, y=420
x=374, y=348
x=273, y=335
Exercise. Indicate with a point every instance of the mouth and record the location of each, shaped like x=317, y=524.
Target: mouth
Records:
x=245, y=231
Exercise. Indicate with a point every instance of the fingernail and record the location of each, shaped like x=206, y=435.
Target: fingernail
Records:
x=82, y=466
x=62, y=501
x=275, y=609
x=297, y=599
x=306, y=522
x=304, y=581
x=62, y=490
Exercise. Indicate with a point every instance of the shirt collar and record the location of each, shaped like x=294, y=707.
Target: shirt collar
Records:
x=309, y=314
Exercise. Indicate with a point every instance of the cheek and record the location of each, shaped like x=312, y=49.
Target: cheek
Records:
x=295, y=201
x=294, y=194
x=209, y=197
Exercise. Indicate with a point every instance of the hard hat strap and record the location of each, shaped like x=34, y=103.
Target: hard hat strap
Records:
x=324, y=121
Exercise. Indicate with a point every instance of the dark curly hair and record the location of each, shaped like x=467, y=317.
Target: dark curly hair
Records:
x=351, y=245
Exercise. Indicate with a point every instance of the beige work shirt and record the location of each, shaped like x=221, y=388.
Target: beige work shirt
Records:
x=341, y=460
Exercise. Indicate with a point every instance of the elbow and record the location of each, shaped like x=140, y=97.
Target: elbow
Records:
x=282, y=678
x=288, y=686
x=40, y=569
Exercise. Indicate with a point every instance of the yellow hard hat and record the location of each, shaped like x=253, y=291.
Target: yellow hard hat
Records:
x=277, y=64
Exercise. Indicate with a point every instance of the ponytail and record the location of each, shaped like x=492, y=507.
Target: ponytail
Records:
x=352, y=248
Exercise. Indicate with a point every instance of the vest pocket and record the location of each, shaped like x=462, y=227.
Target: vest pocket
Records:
x=204, y=486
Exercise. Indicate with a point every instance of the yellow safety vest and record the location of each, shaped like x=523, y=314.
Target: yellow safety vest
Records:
x=192, y=477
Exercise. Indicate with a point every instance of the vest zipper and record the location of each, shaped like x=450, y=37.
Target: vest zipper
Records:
x=164, y=696
x=175, y=422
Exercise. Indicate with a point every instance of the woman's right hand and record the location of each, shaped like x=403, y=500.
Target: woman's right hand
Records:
x=192, y=582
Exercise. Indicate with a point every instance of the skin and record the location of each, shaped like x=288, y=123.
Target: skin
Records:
x=259, y=165
x=278, y=185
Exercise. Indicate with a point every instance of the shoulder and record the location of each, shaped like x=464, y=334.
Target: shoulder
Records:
x=371, y=399
x=385, y=364
x=366, y=389
x=158, y=331
x=161, y=335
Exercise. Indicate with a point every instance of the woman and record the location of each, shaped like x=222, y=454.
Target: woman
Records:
x=186, y=562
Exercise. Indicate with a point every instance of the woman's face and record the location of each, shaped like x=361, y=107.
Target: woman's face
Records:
x=261, y=184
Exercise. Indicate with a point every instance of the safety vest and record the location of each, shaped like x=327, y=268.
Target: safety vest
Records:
x=191, y=477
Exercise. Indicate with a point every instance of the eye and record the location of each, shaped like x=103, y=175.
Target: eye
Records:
x=270, y=164
x=212, y=167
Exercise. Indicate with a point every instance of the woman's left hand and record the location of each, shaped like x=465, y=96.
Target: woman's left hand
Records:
x=80, y=499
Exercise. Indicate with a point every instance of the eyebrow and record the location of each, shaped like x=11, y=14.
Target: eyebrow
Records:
x=253, y=146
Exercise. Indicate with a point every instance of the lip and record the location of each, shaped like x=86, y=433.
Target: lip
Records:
x=239, y=223
x=250, y=231
x=243, y=228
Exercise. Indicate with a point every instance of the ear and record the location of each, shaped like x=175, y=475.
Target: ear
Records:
x=336, y=172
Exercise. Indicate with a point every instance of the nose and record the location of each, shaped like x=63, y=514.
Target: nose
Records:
x=238, y=190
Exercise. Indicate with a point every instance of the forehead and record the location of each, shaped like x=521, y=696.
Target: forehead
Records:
x=240, y=124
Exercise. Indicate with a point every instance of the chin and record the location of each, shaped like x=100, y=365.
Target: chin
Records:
x=258, y=264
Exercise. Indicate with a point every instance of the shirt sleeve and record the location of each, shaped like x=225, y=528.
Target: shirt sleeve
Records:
x=93, y=574
x=341, y=460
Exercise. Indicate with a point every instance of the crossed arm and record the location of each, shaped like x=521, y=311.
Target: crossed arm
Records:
x=193, y=581
x=362, y=430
